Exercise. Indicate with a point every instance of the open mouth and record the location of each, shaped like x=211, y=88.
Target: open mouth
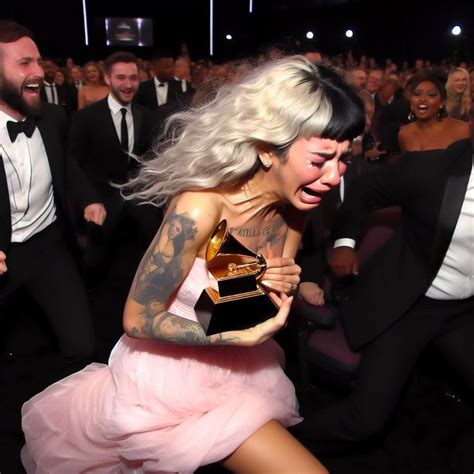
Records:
x=422, y=107
x=32, y=88
x=310, y=197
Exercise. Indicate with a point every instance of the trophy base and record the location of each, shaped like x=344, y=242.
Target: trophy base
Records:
x=230, y=314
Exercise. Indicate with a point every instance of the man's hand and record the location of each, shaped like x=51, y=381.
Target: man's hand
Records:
x=311, y=293
x=95, y=213
x=3, y=264
x=343, y=261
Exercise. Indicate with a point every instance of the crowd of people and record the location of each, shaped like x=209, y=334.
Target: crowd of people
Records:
x=162, y=150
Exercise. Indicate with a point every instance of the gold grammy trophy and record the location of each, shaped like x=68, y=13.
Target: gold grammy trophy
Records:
x=239, y=301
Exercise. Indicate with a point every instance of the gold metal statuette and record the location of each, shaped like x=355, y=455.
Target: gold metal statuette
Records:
x=239, y=302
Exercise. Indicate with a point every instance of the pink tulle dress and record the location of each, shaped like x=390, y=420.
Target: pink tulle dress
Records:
x=158, y=407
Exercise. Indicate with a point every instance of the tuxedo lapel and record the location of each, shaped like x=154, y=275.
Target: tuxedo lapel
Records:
x=53, y=152
x=107, y=122
x=5, y=213
x=137, y=126
x=453, y=198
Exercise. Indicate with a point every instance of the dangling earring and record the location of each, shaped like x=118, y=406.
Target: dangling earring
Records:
x=441, y=113
x=411, y=116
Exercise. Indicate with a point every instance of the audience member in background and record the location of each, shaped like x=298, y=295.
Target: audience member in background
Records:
x=173, y=398
x=357, y=78
x=182, y=74
x=393, y=116
x=458, y=102
x=60, y=77
x=365, y=149
x=417, y=291
x=162, y=89
x=102, y=139
x=419, y=64
x=383, y=97
x=471, y=82
x=374, y=81
x=75, y=77
x=51, y=92
x=35, y=232
x=93, y=87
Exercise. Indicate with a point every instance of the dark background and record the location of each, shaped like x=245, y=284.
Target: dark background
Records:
x=402, y=30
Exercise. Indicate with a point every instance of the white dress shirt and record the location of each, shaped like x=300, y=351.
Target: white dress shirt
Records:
x=29, y=182
x=116, y=111
x=455, y=278
x=161, y=91
x=51, y=93
x=183, y=83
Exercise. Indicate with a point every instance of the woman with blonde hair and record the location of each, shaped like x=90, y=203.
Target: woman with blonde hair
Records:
x=261, y=155
x=458, y=103
x=93, y=87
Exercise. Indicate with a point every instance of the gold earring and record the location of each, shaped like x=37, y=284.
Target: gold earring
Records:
x=267, y=164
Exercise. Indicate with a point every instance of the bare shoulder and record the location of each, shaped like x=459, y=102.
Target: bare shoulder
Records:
x=458, y=129
x=406, y=136
x=202, y=208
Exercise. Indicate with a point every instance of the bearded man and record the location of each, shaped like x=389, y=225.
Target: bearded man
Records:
x=36, y=240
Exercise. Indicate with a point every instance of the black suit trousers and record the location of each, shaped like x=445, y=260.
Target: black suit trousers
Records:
x=387, y=363
x=44, y=266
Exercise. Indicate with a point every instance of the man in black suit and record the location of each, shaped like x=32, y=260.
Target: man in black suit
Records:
x=35, y=251
x=52, y=93
x=103, y=139
x=418, y=289
x=182, y=74
x=163, y=88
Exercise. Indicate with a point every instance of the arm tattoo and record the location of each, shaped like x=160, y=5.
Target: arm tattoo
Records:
x=158, y=276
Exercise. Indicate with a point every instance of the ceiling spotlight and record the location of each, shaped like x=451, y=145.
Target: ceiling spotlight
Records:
x=310, y=35
x=456, y=30
x=349, y=33
x=228, y=37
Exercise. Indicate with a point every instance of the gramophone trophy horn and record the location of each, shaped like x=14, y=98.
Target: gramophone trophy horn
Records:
x=239, y=301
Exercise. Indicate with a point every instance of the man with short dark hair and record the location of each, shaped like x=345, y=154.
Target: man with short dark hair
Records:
x=162, y=89
x=34, y=177
x=53, y=93
x=103, y=139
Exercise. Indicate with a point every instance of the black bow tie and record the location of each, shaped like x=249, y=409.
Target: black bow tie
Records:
x=27, y=127
x=161, y=84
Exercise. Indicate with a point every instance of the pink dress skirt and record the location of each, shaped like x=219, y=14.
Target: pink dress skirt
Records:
x=158, y=407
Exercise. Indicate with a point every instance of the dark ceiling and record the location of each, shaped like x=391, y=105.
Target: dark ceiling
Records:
x=402, y=30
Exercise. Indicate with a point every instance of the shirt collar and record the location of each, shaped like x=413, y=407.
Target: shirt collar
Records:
x=115, y=106
x=4, y=118
x=157, y=82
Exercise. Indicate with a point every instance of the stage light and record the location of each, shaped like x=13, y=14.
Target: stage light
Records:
x=310, y=35
x=349, y=33
x=86, y=30
x=211, y=27
x=228, y=37
x=456, y=30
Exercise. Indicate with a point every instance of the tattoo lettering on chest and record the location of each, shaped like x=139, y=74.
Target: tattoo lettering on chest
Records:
x=272, y=234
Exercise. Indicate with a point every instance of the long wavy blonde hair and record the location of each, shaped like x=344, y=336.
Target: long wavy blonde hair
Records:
x=216, y=144
x=454, y=100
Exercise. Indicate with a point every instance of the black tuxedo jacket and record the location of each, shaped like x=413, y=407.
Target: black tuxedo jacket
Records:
x=146, y=94
x=317, y=236
x=94, y=144
x=430, y=187
x=65, y=98
x=66, y=177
